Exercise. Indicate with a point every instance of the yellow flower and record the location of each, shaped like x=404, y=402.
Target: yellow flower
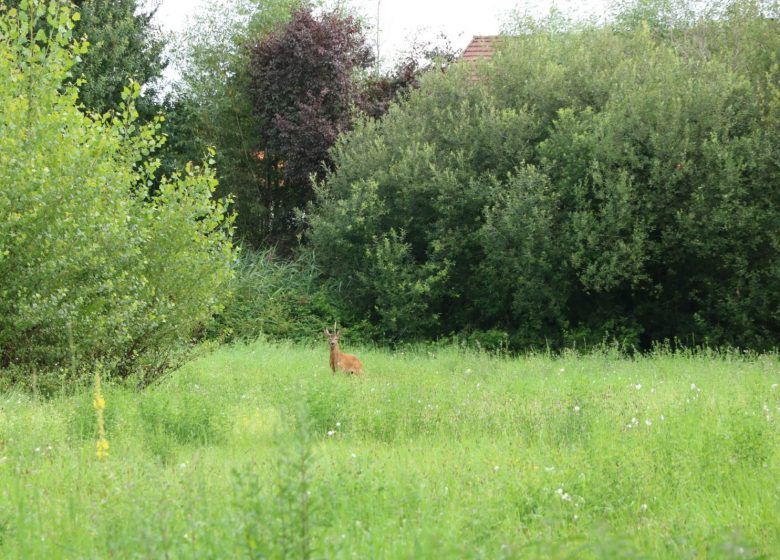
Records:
x=101, y=449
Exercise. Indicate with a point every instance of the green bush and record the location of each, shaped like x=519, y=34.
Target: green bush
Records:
x=94, y=264
x=612, y=181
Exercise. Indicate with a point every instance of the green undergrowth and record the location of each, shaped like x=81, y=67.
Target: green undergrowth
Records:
x=259, y=451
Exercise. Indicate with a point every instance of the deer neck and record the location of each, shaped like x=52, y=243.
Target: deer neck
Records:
x=334, y=355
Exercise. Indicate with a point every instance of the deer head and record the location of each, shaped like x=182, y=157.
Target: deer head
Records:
x=333, y=338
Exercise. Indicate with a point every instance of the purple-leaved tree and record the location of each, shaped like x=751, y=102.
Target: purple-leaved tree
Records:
x=303, y=88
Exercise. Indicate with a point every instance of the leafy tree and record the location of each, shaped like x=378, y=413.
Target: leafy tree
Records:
x=124, y=45
x=211, y=105
x=379, y=91
x=92, y=264
x=594, y=181
x=303, y=88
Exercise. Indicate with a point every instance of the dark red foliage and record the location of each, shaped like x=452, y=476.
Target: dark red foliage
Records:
x=421, y=56
x=303, y=87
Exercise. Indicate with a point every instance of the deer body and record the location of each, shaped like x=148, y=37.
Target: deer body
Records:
x=339, y=361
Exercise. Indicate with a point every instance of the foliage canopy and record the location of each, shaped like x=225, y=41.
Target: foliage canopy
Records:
x=616, y=180
x=93, y=263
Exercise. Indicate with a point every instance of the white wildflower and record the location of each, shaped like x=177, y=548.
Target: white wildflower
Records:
x=576, y=408
x=331, y=433
x=638, y=386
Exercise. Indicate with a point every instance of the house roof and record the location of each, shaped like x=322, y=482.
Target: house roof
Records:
x=481, y=47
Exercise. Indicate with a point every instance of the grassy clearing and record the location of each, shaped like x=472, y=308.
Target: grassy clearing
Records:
x=259, y=451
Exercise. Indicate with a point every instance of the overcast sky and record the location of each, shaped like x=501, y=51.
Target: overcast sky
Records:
x=401, y=20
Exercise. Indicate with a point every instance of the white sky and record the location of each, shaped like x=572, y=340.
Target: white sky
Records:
x=401, y=20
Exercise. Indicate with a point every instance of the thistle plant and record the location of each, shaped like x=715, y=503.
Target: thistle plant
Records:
x=101, y=447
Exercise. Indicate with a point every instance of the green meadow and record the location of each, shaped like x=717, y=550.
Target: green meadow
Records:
x=259, y=451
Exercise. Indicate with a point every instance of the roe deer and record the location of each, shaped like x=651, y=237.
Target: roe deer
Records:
x=338, y=359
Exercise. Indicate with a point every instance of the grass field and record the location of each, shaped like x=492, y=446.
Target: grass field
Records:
x=259, y=451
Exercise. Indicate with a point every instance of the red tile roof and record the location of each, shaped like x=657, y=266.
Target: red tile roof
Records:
x=481, y=47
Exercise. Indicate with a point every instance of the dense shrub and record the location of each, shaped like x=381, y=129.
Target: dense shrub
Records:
x=92, y=264
x=611, y=181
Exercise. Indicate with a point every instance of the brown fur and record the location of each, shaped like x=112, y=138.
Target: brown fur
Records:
x=338, y=359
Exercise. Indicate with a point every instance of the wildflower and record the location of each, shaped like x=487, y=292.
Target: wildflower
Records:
x=495, y=468
x=331, y=433
x=561, y=370
x=775, y=386
x=101, y=446
x=338, y=424
x=183, y=466
x=37, y=449
x=354, y=456
x=638, y=386
x=565, y=496
x=662, y=418
x=101, y=449
x=643, y=508
x=576, y=408
x=648, y=422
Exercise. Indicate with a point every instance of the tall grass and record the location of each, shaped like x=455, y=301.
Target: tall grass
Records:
x=281, y=299
x=258, y=450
